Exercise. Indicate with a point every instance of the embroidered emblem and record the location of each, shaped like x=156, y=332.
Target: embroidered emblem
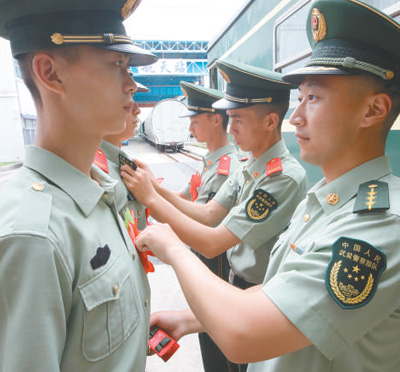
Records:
x=101, y=257
x=210, y=196
x=260, y=205
x=225, y=76
x=353, y=272
x=101, y=160
x=129, y=8
x=318, y=25
x=332, y=199
x=124, y=160
x=224, y=165
x=372, y=196
x=274, y=166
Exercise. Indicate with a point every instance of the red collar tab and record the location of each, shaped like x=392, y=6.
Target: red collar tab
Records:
x=101, y=160
x=274, y=166
x=224, y=165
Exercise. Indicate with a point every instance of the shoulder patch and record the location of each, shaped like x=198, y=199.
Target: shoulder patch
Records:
x=224, y=165
x=101, y=160
x=274, y=166
x=353, y=273
x=372, y=196
x=260, y=206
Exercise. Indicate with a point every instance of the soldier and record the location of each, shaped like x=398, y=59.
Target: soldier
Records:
x=330, y=299
x=74, y=295
x=256, y=203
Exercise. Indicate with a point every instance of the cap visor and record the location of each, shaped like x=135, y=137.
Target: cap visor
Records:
x=138, y=56
x=224, y=104
x=141, y=88
x=189, y=113
x=297, y=76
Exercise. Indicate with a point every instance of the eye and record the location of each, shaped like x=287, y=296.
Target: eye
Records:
x=119, y=63
x=311, y=97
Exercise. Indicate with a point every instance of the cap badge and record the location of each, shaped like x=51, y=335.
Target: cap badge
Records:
x=318, y=25
x=225, y=76
x=127, y=9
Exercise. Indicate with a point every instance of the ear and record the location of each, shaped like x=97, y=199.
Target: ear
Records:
x=271, y=120
x=44, y=67
x=217, y=120
x=379, y=106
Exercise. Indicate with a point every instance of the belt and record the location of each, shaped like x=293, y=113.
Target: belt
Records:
x=237, y=281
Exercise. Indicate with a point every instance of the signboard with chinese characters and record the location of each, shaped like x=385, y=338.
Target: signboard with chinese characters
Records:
x=174, y=67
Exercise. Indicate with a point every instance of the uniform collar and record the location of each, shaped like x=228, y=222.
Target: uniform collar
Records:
x=85, y=192
x=346, y=186
x=260, y=165
x=111, y=151
x=210, y=158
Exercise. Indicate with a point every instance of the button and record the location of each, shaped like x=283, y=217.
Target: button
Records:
x=205, y=169
x=332, y=199
x=306, y=217
x=139, y=213
x=146, y=302
x=37, y=186
x=236, y=202
x=134, y=255
x=105, y=195
x=116, y=289
x=247, y=181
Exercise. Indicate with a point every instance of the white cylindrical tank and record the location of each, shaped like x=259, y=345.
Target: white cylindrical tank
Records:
x=164, y=127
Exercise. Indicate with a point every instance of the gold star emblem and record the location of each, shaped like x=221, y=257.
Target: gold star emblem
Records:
x=356, y=269
x=332, y=199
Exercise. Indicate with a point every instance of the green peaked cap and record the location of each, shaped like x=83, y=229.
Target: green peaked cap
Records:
x=351, y=37
x=199, y=99
x=49, y=24
x=249, y=85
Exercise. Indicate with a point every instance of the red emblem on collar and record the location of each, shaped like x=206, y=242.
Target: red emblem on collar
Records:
x=101, y=160
x=274, y=166
x=224, y=165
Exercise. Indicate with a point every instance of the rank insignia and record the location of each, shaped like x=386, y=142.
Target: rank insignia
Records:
x=274, y=166
x=101, y=160
x=210, y=196
x=353, y=272
x=318, y=25
x=260, y=205
x=224, y=165
x=372, y=196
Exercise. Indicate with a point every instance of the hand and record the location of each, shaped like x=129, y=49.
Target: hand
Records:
x=162, y=241
x=172, y=322
x=146, y=168
x=138, y=183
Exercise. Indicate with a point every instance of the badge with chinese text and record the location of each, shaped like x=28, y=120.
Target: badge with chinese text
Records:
x=353, y=272
x=260, y=205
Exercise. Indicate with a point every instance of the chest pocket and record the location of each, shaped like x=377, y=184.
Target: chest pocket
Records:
x=110, y=310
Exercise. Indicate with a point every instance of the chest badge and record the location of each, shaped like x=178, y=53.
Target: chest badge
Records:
x=353, y=272
x=260, y=205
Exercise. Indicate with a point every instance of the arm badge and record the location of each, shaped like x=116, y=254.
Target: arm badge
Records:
x=372, y=196
x=260, y=205
x=353, y=273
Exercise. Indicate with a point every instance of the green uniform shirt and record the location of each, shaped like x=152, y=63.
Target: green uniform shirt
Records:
x=249, y=259
x=211, y=181
x=67, y=305
x=122, y=197
x=360, y=339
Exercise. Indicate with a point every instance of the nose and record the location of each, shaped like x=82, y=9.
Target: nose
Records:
x=297, y=117
x=135, y=109
x=131, y=86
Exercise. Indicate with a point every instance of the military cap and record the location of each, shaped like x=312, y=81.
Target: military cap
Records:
x=140, y=87
x=248, y=85
x=199, y=99
x=349, y=37
x=49, y=24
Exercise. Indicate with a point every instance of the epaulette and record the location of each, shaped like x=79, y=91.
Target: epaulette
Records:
x=224, y=165
x=372, y=196
x=35, y=209
x=101, y=160
x=274, y=166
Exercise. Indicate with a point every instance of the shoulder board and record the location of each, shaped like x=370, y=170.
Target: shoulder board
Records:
x=372, y=196
x=245, y=158
x=274, y=166
x=101, y=160
x=224, y=165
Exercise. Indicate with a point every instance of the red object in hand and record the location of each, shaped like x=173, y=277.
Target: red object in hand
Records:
x=162, y=344
x=195, y=182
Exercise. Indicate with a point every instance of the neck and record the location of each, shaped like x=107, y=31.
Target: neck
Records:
x=113, y=140
x=265, y=146
x=217, y=141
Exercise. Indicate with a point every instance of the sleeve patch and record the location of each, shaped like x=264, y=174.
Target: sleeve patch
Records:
x=260, y=206
x=353, y=273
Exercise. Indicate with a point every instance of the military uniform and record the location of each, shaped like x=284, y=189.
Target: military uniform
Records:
x=284, y=188
x=108, y=161
x=74, y=294
x=201, y=188
x=335, y=272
